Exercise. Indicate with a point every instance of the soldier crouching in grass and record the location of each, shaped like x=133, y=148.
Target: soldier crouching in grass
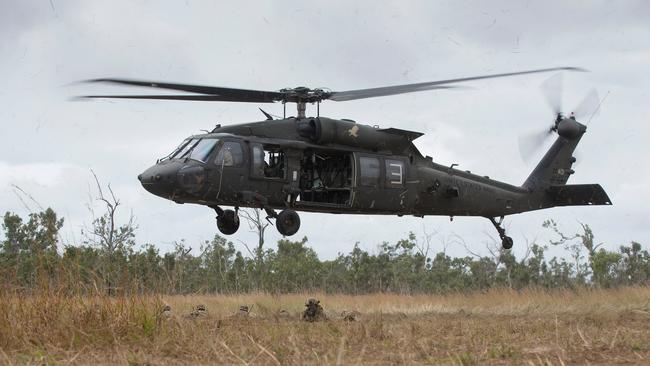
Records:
x=314, y=311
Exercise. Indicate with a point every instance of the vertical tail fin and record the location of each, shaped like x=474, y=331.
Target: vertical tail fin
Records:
x=555, y=167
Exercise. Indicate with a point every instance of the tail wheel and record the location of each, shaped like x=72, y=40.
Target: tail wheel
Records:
x=506, y=242
x=228, y=222
x=287, y=222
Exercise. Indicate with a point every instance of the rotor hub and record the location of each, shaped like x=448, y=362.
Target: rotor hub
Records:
x=303, y=94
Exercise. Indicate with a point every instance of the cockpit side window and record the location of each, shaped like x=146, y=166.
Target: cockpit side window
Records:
x=230, y=154
x=268, y=161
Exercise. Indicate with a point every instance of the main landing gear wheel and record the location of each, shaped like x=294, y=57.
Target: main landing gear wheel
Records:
x=228, y=222
x=506, y=241
x=287, y=222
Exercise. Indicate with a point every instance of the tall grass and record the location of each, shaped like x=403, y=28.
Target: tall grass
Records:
x=495, y=301
x=499, y=326
x=48, y=319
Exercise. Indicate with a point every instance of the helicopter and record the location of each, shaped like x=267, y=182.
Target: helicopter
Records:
x=340, y=166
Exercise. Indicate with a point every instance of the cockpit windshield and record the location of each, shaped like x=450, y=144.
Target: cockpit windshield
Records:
x=202, y=149
x=176, y=150
x=197, y=149
x=185, y=148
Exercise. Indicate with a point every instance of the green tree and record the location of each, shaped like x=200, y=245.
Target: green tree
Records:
x=606, y=268
x=575, y=244
x=218, y=258
x=295, y=267
x=30, y=248
x=636, y=264
x=146, y=270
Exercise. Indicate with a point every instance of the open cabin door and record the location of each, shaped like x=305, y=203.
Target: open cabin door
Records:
x=327, y=179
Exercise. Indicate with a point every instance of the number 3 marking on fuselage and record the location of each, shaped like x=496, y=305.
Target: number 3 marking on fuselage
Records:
x=399, y=175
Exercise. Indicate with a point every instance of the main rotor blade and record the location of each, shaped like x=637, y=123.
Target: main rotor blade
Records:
x=409, y=88
x=383, y=91
x=232, y=94
x=208, y=98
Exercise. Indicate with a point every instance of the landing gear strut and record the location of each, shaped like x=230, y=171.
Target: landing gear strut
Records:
x=506, y=241
x=227, y=221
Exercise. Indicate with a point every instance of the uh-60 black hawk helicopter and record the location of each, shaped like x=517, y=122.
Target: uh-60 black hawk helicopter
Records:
x=328, y=165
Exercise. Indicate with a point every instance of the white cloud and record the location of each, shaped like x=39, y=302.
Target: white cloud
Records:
x=44, y=175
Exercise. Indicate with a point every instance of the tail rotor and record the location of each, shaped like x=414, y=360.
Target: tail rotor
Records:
x=531, y=143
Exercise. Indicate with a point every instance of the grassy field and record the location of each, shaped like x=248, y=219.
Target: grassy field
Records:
x=498, y=327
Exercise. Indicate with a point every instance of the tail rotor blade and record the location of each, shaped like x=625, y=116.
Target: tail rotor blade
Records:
x=552, y=89
x=589, y=106
x=531, y=143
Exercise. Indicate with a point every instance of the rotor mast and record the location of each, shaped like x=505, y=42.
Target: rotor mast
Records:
x=302, y=107
x=301, y=96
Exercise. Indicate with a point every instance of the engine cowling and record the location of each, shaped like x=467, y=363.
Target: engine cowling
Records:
x=344, y=132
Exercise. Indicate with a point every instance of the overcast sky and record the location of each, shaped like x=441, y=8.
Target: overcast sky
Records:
x=48, y=144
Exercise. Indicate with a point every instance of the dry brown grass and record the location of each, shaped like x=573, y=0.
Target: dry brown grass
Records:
x=499, y=327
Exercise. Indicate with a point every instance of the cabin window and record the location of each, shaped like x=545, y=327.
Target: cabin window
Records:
x=230, y=154
x=369, y=171
x=394, y=173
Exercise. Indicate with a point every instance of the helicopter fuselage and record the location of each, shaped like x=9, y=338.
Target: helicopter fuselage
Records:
x=324, y=165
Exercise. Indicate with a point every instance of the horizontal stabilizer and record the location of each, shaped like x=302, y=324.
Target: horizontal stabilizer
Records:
x=578, y=195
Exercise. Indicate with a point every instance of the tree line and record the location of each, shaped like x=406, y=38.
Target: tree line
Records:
x=32, y=256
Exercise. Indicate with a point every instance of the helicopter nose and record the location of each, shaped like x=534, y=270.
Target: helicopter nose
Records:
x=160, y=179
x=192, y=179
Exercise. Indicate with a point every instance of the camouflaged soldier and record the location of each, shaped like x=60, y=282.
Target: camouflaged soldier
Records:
x=199, y=311
x=166, y=311
x=314, y=311
x=244, y=310
x=350, y=316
